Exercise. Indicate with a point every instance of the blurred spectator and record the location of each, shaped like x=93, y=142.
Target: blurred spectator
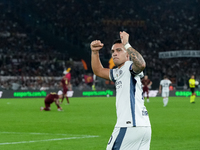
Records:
x=156, y=26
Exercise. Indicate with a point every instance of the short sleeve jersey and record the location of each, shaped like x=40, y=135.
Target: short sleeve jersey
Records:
x=192, y=83
x=130, y=108
x=50, y=97
x=65, y=82
x=165, y=83
x=145, y=82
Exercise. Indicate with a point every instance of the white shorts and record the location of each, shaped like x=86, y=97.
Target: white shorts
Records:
x=165, y=94
x=130, y=138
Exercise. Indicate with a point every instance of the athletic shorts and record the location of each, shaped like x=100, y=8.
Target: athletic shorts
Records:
x=192, y=90
x=130, y=138
x=165, y=94
x=47, y=106
x=145, y=89
x=65, y=91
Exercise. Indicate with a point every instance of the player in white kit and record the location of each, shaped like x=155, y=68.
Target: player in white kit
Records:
x=164, y=87
x=132, y=130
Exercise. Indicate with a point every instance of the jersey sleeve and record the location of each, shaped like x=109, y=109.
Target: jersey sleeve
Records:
x=141, y=74
x=111, y=75
x=170, y=82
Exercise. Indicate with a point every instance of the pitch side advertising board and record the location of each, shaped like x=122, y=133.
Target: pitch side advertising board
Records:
x=78, y=93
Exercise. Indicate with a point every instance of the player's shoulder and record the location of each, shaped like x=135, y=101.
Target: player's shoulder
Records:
x=53, y=93
x=129, y=67
x=128, y=62
x=126, y=65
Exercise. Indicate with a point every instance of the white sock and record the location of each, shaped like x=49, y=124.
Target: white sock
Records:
x=165, y=101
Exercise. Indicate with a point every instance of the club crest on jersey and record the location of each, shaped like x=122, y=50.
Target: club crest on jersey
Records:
x=120, y=72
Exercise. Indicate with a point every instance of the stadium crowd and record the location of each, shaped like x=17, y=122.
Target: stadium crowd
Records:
x=29, y=63
x=153, y=27
x=170, y=25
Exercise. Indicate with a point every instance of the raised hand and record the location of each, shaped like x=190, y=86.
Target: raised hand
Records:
x=124, y=37
x=96, y=45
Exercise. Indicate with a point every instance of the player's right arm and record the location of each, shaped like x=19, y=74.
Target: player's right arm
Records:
x=97, y=67
x=160, y=87
x=149, y=85
x=57, y=102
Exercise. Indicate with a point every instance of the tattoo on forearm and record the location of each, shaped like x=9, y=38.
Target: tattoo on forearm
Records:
x=137, y=59
x=95, y=52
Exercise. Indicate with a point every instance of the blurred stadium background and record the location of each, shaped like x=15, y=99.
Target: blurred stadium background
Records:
x=40, y=38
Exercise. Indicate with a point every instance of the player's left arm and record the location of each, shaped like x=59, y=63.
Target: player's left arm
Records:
x=170, y=82
x=70, y=86
x=150, y=83
x=57, y=102
x=138, y=61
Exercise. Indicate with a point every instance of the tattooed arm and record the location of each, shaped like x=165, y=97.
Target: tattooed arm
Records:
x=97, y=67
x=138, y=61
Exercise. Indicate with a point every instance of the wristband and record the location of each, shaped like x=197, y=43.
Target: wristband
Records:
x=127, y=45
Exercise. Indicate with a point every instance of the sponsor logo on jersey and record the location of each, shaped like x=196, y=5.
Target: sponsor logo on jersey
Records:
x=118, y=84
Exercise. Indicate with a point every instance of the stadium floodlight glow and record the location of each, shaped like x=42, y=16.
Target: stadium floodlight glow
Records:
x=97, y=93
x=30, y=94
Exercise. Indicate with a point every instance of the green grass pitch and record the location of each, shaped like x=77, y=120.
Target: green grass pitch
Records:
x=87, y=123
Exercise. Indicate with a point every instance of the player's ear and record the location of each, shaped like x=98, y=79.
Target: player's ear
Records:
x=127, y=56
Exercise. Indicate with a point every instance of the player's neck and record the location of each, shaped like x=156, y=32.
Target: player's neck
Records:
x=119, y=66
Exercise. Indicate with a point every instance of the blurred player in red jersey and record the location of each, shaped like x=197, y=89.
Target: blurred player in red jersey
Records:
x=50, y=98
x=146, y=85
x=66, y=85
